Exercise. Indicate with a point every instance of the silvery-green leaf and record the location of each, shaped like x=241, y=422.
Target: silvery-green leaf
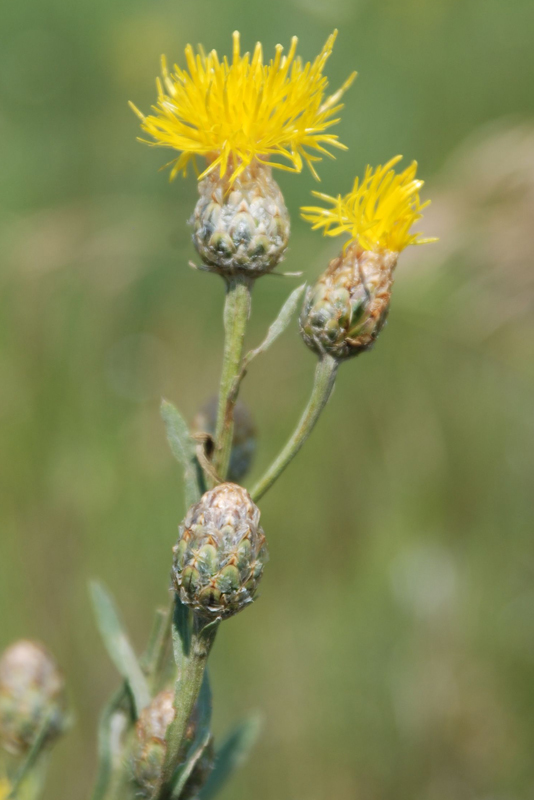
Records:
x=183, y=449
x=279, y=325
x=232, y=753
x=110, y=755
x=118, y=646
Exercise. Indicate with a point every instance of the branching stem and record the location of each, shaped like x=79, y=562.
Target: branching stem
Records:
x=325, y=377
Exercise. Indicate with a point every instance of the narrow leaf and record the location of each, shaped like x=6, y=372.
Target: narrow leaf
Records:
x=232, y=753
x=279, y=325
x=118, y=646
x=183, y=449
x=152, y=659
x=110, y=754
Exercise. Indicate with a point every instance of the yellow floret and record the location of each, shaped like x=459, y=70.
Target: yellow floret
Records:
x=379, y=211
x=235, y=113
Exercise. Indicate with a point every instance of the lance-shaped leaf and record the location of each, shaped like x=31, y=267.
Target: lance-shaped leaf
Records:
x=232, y=753
x=110, y=753
x=277, y=328
x=200, y=742
x=118, y=646
x=183, y=449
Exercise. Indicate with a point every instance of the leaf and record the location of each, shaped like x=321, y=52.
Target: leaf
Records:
x=152, y=658
x=200, y=742
x=110, y=754
x=279, y=325
x=118, y=646
x=183, y=449
x=232, y=753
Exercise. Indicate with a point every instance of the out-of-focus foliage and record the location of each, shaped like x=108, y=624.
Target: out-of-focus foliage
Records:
x=392, y=648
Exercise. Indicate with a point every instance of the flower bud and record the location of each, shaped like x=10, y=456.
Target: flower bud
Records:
x=32, y=689
x=149, y=748
x=244, y=439
x=221, y=552
x=346, y=309
x=241, y=226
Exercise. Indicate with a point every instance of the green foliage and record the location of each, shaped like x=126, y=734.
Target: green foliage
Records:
x=118, y=645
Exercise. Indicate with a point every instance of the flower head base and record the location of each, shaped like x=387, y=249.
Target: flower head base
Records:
x=379, y=211
x=235, y=113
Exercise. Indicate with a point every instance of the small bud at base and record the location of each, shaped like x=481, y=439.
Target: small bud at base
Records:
x=149, y=748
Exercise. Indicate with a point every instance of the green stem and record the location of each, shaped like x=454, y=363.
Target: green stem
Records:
x=325, y=377
x=186, y=693
x=236, y=314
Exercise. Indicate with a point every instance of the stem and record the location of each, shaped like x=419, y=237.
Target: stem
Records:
x=325, y=377
x=186, y=693
x=236, y=314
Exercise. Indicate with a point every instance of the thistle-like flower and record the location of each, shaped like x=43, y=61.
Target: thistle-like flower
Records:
x=346, y=309
x=244, y=437
x=32, y=690
x=220, y=553
x=240, y=116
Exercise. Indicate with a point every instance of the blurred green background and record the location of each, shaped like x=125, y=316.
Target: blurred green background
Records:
x=392, y=648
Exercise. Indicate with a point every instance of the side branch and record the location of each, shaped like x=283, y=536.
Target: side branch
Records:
x=325, y=377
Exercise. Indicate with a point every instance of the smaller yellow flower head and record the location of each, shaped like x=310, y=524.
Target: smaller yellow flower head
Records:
x=379, y=211
x=235, y=113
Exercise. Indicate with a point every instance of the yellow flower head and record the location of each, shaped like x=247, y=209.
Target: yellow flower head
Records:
x=379, y=211
x=235, y=113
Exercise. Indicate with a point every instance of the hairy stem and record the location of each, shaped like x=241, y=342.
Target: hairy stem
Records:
x=236, y=314
x=325, y=377
x=186, y=693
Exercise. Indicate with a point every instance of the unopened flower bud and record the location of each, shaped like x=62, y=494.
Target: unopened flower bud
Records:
x=149, y=748
x=241, y=227
x=221, y=553
x=346, y=309
x=32, y=690
x=244, y=439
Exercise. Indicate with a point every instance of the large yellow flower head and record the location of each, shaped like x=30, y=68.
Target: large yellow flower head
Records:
x=379, y=211
x=235, y=113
